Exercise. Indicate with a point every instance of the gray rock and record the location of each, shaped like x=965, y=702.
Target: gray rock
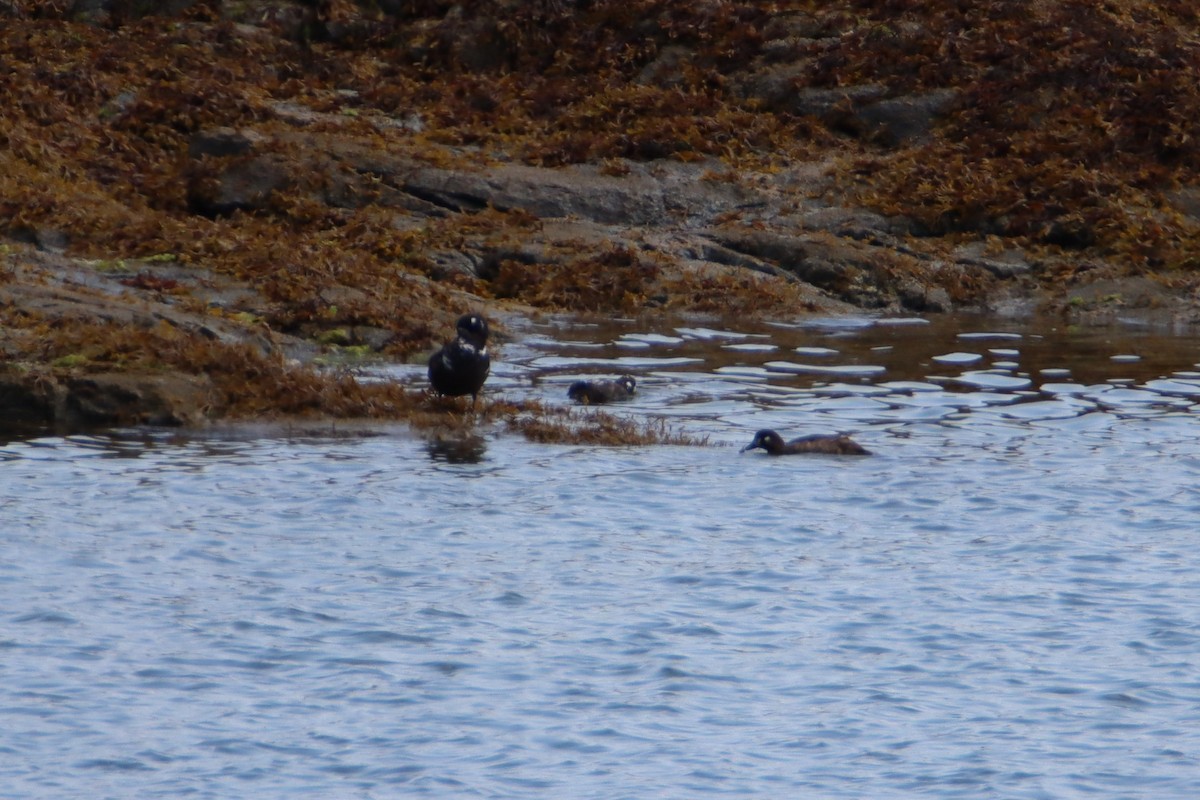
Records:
x=864, y=110
x=915, y=296
x=832, y=265
x=245, y=184
x=1186, y=200
x=856, y=223
x=221, y=142
x=1010, y=263
x=782, y=89
x=579, y=191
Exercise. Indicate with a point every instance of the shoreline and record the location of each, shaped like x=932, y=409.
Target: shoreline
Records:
x=204, y=205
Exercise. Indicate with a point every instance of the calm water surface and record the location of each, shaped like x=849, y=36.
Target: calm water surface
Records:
x=1003, y=602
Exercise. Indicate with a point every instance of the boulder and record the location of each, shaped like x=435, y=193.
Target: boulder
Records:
x=77, y=402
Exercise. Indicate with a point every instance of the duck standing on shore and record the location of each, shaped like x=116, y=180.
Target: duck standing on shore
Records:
x=840, y=445
x=461, y=366
x=598, y=392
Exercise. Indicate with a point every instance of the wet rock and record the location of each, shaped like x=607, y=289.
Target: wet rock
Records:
x=102, y=400
x=27, y=401
x=123, y=399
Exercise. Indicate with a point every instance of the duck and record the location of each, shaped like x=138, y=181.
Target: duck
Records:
x=839, y=445
x=597, y=392
x=462, y=364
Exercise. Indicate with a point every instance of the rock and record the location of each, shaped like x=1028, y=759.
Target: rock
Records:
x=370, y=336
x=902, y=119
x=125, y=399
x=447, y=263
x=825, y=264
x=855, y=223
x=27, y=401
x=781, y=89
x=863, y=111
x=1010, y=263
x=718, y=254
x=915, y=296
x=541, y=192
x=342, y=175
x=243, y=184
x=577, y=191
x=1186, y=200
x=64, y=292
x=1113, y=294
x=51, y=239
x=102, y=400
x=221, y=142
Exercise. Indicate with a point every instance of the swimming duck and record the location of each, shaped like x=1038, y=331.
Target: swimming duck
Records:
x=840, y=445
x=462, y=364
x=597, y=392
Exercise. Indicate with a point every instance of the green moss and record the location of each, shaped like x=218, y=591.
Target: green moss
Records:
x=339, y=337
x=70, y=361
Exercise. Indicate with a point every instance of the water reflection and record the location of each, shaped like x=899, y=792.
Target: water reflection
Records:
x=1000, y=603
x=458, y=448
x=850, y=375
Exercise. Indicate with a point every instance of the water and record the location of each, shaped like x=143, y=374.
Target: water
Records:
x=1002, y=602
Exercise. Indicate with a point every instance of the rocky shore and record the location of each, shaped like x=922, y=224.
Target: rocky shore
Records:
x=198, y=204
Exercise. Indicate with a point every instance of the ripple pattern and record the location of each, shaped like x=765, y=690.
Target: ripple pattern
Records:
x=1001, y=603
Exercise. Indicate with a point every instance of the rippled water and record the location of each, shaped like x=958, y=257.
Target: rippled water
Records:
x=1002, y=602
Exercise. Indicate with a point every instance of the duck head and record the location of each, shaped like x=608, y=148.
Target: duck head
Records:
x=473, y=329
x=768, y=440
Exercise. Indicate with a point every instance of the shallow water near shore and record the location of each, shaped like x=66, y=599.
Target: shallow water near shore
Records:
x=1001, y=602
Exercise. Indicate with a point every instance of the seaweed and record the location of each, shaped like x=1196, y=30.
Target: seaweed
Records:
x=1073, y=129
